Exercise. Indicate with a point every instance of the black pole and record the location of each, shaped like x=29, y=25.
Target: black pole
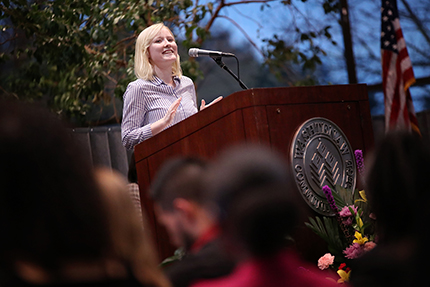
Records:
x=220, y=63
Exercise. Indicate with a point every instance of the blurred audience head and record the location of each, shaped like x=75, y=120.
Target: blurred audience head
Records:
x=179, y=198
x=397, y=184
x=45, y=178
x=60, y=220
x=254, y=196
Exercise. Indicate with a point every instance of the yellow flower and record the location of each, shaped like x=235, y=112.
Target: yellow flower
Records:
x=359, y=238
x=362, y=195
x=359, y=222
x=344, y=276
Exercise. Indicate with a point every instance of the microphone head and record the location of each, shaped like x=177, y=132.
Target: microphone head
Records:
x=193, y=52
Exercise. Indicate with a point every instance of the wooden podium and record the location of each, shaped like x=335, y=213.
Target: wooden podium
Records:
x=265, y=115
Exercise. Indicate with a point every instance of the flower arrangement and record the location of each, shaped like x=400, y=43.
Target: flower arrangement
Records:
x=351, y=232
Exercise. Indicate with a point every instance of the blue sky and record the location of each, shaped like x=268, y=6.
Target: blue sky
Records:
x=365, y=20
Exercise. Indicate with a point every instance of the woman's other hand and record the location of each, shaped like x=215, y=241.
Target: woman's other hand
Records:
x=204, y=106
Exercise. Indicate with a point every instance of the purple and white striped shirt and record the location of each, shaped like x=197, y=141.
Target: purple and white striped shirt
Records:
x=145, y=102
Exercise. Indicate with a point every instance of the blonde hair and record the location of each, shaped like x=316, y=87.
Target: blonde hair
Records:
x=143, y=67
x=131, y=242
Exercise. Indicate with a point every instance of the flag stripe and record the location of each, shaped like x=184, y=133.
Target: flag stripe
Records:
x=397, y=72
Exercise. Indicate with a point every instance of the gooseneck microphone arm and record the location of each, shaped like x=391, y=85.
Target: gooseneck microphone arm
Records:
x=217, y=57
x=220, y=63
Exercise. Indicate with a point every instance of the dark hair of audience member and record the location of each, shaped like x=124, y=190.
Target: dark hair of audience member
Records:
x=44, y=179
x=397, y=190
x=179, y=177
x=397, y=184
x=254, y=194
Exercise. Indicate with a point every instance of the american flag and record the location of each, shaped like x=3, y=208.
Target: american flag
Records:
x=397, y=73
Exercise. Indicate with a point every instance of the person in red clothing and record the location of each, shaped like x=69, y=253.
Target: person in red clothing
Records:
x=180, y=205
x=257, y=212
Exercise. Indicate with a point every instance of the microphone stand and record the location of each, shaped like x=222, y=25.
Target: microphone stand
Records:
x=218, y=60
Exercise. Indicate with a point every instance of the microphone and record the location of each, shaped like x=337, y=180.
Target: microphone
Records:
x=194, y=52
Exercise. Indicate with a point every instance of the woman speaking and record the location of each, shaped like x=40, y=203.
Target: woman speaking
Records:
x=161, y=96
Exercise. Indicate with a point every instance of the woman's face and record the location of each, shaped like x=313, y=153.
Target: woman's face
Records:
x=163, y=50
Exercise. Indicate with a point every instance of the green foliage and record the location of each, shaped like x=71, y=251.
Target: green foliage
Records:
x=72, y=54
x=328, y=230
x=177, y=255
x=75, y=55
x=342, y=196
x=302, y=52
x=331, y=6
x=343, y=229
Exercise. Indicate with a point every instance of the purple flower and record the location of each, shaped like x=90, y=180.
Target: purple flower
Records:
x=346, y=212
x=359, y=160
x=329, y=196
x=355, y=250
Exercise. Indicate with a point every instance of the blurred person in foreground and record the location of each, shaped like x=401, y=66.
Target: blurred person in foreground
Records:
x=257, y=213
x=398, y=192
x=56, y=222
x=181, y=206
x=132, y=242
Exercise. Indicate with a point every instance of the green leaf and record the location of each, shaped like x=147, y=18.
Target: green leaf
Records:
x=304, y=37
x=346, y=196
x=177, y=255
x=328, y=230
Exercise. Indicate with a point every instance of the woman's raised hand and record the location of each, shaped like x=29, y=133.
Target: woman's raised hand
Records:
x=164, y=122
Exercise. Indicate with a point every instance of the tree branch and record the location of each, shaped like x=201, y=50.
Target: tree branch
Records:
x=212, y=19
x=248, y=17
x=248, y=2
x=10, y=39
x=423, y=81
x=8, y=93
x=416, y=21
x=413, y=47
x=125, y=40
x=222, y=4
x=244, y=33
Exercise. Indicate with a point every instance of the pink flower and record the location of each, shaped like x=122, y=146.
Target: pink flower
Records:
x=345, y=212
x=355, y=250
x=347, y=221
x=325, y=261
x=369, y=246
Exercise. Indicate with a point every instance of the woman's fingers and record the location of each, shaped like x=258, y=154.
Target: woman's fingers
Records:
x=216, y=100
x=203, y=105
x=172, y=111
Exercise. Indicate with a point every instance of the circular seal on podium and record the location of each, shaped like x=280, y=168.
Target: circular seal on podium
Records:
x=321, y=155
